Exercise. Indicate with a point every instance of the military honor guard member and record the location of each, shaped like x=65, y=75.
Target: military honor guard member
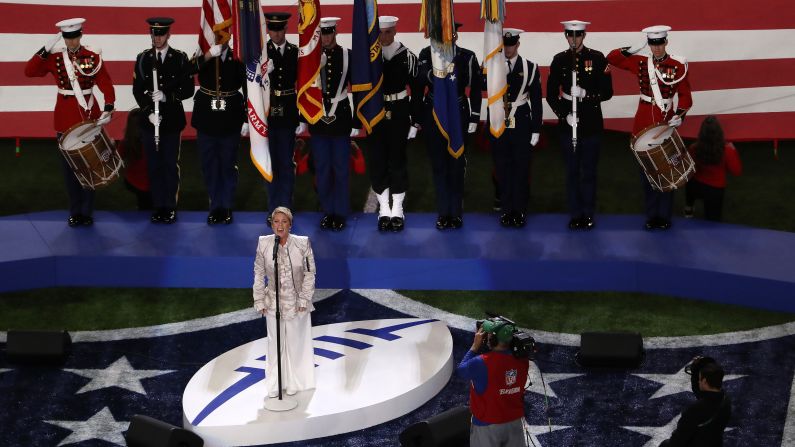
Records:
x=219, y=117
x=164, y=117
x=661, y=77
x=512, y=151
x=388, y=164
x=283, y=123
x=594, y=84
x=76, y=69
x=448, y=171
x=331, y=135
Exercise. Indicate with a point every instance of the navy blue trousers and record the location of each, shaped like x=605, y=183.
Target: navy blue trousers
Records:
x=219, y=167
x=282, y=146
x=332, y=165
x=448, y=172
x=81, y=201
x=163, y=167
x=581, y=173
x=512, y=156
x=657, y=204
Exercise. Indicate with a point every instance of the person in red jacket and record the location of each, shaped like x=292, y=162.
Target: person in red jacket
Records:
x=497, y=384
x=136, y=177
x=76, y=69
x=661, y=78
x=713, y=157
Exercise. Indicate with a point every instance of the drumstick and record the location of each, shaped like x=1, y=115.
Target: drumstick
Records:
x=663, y=130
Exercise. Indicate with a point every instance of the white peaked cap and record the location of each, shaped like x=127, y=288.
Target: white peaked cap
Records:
x=657, y=31
x=387, y=21
x=328, y=22
x=511, y=32
x=574, y=25
x=70, y=25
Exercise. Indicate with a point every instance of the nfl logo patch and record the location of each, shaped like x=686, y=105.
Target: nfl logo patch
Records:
x=510, y=377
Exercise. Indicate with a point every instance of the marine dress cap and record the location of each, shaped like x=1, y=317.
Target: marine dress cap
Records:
x=574, y=25
x=657, y=34
x=71, y=28
x=328, y=25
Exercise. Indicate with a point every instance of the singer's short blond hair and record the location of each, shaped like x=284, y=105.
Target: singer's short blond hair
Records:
x=284, y=210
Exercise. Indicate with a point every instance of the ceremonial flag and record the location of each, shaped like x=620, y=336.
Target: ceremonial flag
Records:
x=494, y=63
x=437, y=19
x=216, y=18
x=252, y=51
x=366, y=66
x=310, y=97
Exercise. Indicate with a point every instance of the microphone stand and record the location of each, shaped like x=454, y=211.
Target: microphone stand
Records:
x=280, y=404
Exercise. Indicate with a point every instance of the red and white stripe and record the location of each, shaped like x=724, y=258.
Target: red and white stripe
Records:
x=742, y=61
x=213, y=13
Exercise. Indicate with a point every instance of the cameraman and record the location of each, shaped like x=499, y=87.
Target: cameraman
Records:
x=702, y=423
x=496, y=394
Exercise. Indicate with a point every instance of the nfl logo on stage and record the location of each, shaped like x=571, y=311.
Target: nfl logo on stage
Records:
x=510, y=377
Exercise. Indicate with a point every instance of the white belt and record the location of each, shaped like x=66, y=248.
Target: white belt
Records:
x=516, y=104
x=72, y=92
x=650, y=100
x=342, y=96
x=396, y=96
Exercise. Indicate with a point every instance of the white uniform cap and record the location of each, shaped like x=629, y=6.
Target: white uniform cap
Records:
x=385, y=22
x=71, y=25
x=657, y=31
x=511, y=32
x=575, y=25
x=329, y=22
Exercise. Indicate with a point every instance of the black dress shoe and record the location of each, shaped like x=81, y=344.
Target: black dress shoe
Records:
x=86, y=221
x=338, y=223
x=455, y=222
x=587, y=223
x=663, y=224
x=397, y=223
x=519, y=220
x=442, y=222
x=384, y=223
x=326, y=222
x=506, y=220
x=73, y=220
x=169, y=217
x=226, y=216
x=157, y=216
x=213, y=217
x=575, y=223
x=651, y=223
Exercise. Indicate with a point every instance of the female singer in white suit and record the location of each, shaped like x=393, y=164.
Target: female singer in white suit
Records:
x=297, y=286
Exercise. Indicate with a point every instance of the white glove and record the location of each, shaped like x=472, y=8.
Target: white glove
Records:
x=301, y=128
x=158, y=95
x=271, y=67
x=472, y=127
x=577, y=91
x=215, y=50
x=104, y=118
x=534, y=139
x=637, y=47
x=244, y=130
x=354, y=132
x=570, y=119
x=412, y=132
x=676, y=121
x=155, y=120
x=50, y=44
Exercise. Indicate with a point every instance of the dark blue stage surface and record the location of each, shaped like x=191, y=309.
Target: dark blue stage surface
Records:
x=696, y=259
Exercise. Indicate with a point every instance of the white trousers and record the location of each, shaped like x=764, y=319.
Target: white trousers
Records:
x=298, y=364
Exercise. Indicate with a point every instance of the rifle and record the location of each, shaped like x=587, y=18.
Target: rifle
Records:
x=156, y=103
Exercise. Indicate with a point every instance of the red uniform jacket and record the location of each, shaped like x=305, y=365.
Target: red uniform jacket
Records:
x=669, y=70
x=503, y=400
x=68, y=111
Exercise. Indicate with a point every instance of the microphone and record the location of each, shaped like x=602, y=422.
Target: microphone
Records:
x=276, y=241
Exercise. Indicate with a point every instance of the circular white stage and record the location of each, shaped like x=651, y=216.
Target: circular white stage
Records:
x=368, y=372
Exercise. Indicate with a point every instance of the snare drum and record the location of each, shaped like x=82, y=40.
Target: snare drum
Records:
x=91, y=154
x=663, y=157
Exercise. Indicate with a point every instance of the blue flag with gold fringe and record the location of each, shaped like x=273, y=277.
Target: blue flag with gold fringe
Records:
x=366, y=67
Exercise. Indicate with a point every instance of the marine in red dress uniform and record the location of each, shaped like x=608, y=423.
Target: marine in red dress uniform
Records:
x=88, y=70
x=670, y=75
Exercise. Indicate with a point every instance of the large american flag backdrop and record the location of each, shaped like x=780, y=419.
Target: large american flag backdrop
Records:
x=742, y=61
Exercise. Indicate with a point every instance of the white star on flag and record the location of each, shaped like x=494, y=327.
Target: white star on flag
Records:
x=534, y=377
x=537, y=430
x=119, y=374
x=102, y=426
x=678, y=382
x=452, y=77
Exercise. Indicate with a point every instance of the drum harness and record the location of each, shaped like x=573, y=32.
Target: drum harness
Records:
x=76, y=90
x=654, y=75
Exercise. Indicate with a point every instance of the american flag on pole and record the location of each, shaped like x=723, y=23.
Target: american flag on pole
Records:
x=741, y=64
x=310, y=97
x=252, y=51
x=493, y=11
x=216, y=17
